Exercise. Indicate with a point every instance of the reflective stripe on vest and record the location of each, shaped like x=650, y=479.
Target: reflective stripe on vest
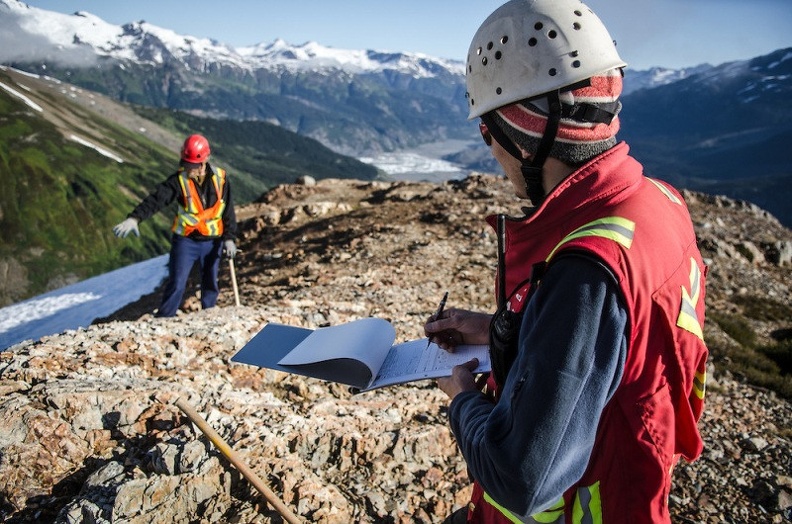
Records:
x=506, y=513
x=667, y=192
x=699, y=384
x=552, y=515
x=192, y=216
x=586, y=509
x=617, y=229
x=688, y=319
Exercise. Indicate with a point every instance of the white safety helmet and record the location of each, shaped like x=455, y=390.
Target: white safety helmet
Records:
x=527, y=48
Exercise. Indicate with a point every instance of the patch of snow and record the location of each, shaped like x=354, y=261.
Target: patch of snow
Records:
x=79, y=304
x=30, y=103
x=17, y=314
x=100, y=150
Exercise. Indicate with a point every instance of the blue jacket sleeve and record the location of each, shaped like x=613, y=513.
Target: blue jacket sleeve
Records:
x=532, y=445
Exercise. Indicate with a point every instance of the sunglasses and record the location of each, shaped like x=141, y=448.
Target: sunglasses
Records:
x=485, y=134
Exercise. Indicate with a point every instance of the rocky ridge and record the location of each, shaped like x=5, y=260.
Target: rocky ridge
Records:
x=89, y=431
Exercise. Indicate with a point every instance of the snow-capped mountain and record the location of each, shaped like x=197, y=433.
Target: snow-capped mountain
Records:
x=357, y=102
x=658, y=76
x=148, y=44
x=315, y=57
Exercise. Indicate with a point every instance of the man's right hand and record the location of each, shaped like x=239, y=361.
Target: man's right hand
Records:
x=458, y=326
x=130, y=225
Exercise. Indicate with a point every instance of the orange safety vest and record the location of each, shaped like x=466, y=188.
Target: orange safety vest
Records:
x=192, y=216
x=640, y=228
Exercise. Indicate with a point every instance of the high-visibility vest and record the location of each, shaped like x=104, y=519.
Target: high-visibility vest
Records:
x=192, y=216
x=641, y=230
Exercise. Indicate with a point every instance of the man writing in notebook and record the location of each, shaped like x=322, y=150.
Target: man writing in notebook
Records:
x=596, y=344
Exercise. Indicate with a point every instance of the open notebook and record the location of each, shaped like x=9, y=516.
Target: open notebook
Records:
x=360, y=354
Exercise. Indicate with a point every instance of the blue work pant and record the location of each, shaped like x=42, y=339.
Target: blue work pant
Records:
x=185, y=252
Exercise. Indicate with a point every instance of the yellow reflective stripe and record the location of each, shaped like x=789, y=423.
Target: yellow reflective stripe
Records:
x=695, y=281
x=663, y=189
x=700, y=384
x=221, y=209
x=213, y=227
x=554, y=513
x=587, y=508
x=688, y=318
x=188, y=201
x=220, y=174
x=187, y=218
x=506, y=513
x=618, y=229
x=213, y=224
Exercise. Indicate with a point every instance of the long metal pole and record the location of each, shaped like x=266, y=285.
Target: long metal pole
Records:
x=243, y=468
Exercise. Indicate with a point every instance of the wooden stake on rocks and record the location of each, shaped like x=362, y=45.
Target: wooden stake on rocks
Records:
x=248, y=473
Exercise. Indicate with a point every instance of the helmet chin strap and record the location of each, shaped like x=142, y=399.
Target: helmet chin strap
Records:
x=531, y=168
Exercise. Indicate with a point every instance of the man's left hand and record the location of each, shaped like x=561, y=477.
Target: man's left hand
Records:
x=461, y=379
x=229, y=248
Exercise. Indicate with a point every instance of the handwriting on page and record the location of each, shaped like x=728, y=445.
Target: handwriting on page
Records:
x=414, y=359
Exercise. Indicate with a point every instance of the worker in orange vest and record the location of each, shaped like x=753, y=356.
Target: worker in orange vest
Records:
x=204, y=227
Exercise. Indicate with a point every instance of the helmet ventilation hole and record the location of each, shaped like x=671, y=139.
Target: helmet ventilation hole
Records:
x=532, y=42
x=552, y=34
x=499, y=90
x=553, y=71
x=498, y=55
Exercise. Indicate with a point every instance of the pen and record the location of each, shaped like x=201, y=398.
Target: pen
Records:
x=437, y=314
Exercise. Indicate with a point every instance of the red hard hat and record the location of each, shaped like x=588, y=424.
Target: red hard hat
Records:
x=195, y=149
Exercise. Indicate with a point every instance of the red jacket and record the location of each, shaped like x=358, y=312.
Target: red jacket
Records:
x=640, y=228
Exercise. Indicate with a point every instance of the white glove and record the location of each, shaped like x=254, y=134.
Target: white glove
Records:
x=130, y=225
x=229, y=248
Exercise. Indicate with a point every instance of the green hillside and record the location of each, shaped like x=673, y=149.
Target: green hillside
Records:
x=60, y=198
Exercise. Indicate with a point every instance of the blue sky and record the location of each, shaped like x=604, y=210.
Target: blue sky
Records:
x=669, y=33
